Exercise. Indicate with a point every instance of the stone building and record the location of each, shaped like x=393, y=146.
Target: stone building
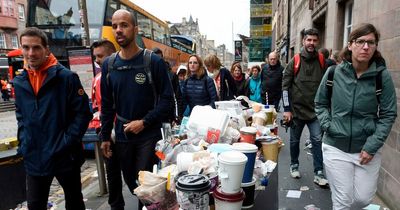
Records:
x=203, y=46
x=334, y=20
x=191, y=28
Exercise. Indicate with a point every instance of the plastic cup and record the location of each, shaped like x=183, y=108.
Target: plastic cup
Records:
x=230, y=172
x=250, y=150
x=270, y=150
x=249, y=189
x=192, y=191
x=248, y=134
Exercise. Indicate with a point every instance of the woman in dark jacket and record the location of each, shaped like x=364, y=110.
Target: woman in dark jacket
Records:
x=239, y=78
x=223, y=80
x=198, y=89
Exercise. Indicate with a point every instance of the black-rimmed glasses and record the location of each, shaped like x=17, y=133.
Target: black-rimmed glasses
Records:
x=361, y=42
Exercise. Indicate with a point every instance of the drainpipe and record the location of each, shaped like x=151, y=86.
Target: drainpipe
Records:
x=288, y=33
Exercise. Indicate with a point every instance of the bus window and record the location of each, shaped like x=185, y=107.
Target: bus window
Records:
x=144, y=24
x=158, y=33
x=60, y=21
x=112, y=6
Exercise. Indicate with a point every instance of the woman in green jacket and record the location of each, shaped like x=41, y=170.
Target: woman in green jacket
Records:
x=356, y=120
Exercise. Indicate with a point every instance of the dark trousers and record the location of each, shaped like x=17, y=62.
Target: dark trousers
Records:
x=5, y=95
x=275, y=102
x=114, y=180
x=38, y=188
x=315, y=137
x=134, y=157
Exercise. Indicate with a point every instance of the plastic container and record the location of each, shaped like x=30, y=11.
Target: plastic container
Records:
x=259, y=118
x=250, y=150
x=204, y=117
x=192, y=191
x=224, y=201
x=248, y=134
x=183, y=161
x=270, y=116
x=270, y=150
x=249, y=189
x=230, y=172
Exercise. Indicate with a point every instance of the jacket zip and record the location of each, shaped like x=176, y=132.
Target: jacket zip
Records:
x=351, y=115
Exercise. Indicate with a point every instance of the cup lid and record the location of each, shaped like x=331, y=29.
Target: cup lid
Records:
x=219, y=147
x=232, y=157
x=193, y=182
x=244, y=147
x=220, y=195
x=249, y=129
x=270, y=142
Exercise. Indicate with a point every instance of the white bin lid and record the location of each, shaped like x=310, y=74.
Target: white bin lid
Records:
x=232, y=158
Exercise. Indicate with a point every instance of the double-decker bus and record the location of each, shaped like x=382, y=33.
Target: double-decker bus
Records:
x=60, y=20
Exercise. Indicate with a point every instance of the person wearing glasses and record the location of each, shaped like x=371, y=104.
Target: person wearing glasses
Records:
x=356, y=120
x=198, y=89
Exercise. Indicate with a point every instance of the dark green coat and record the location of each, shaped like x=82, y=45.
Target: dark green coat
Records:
x=353, y=124
x=303, y=86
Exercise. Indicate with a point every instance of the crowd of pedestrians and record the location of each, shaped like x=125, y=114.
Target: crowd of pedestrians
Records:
x=135, y=92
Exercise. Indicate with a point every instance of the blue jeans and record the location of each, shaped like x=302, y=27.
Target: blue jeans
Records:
x=315, y=136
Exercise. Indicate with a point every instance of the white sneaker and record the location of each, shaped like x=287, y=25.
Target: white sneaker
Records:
x=294, y=171
x=320, y=179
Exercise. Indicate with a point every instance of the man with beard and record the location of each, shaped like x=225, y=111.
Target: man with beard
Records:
x=272, y=80
x=299, y=89
x=127, y=94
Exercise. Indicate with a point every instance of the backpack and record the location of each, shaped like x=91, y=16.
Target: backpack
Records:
x=329, y=84
x=296, y=66
x=147, y=68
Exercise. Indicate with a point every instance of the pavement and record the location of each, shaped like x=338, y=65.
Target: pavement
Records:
x=313, y=195
x=8, y=125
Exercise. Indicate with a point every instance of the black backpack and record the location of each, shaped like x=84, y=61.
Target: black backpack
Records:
x=147, y=68
x=329, y=84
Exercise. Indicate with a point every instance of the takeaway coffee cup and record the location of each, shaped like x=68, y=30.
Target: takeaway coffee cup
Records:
x=249, y=189
x=248, y=134
x=192, y=191
x=270, y=150
x=250, y=150
x=230, y=172
x=224, y=201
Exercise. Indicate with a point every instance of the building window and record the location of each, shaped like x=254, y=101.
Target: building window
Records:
x=7, y=7
x=348, y=21
x=2, y=41
x=21, y=12
x=14, y=41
